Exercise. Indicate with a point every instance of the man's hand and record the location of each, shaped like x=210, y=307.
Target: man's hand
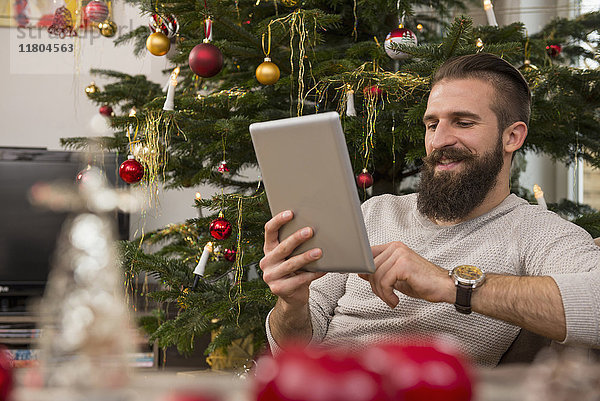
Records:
x=531, y=302
x=290, y=318
x=283, y=276
x=399, y=267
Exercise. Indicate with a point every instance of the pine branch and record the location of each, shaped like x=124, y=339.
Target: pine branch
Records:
x=459, y=30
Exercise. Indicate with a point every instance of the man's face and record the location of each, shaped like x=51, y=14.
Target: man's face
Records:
x=459, y=115
x=464, y=149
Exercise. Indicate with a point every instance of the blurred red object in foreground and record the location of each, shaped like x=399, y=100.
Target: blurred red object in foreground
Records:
x=312, y=374
x=6, y=374
x=380, y=373
x=432, y=372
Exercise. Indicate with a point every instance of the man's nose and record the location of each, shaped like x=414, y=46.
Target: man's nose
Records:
x=443, y=136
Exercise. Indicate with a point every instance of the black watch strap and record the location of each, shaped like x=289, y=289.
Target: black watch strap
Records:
x=463, y=298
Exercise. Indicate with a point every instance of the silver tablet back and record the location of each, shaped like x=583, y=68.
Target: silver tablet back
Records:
x=305, y=168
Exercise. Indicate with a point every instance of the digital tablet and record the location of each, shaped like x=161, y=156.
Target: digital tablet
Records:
x=305, y=168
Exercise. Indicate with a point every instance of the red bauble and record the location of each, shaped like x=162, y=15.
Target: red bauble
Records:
x=229, y=255
x=308, y=374
x=96, y=11
x=364, y=179
x=399, y=36
x=220, y=228
x=6, y=374
x=131, y=171
x=106, y=110
x=430, y=372
x=553, y=50
x=206, y=60
x=372, y=90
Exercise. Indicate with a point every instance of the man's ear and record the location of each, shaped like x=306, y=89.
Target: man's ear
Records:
x=514, y=136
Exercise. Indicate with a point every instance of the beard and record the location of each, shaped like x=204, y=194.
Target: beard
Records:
x=450, y=196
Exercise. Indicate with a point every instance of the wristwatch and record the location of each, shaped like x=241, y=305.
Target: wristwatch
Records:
x=466, y=278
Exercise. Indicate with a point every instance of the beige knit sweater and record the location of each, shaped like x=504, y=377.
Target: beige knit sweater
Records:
x=514, y=239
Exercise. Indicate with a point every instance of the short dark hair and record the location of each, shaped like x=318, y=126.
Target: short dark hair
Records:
x=512, y=94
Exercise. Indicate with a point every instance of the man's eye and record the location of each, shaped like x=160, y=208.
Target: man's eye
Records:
x=431, y=126
x=464, y=124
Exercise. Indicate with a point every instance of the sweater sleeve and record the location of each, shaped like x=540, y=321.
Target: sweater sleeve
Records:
x=580, y=294
x=324, y=294
x=567, y=253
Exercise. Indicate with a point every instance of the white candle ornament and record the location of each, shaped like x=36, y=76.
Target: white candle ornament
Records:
x=539, y=196
x=350, y=110
x=489, y=12
x=170, y=102
x=199, y=270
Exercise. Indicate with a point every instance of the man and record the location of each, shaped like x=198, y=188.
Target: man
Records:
x=541, y=271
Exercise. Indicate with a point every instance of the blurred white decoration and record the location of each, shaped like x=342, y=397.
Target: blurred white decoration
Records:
x=350, y=110
x=85, y=321
x=565, y=374
x=170, y=101
x=100, y=125
x=539, y=196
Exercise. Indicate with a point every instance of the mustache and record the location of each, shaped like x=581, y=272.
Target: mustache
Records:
x=455, y=154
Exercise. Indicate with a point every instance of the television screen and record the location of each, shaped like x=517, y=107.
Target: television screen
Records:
x=28, y=233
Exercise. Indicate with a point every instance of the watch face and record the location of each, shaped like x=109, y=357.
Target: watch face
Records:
x=467, y=272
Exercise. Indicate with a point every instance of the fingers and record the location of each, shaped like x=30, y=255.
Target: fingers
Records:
x=293, y=264
x=272, y=229
x=386, y=289
x=383, y=282
x=278, y=272
x=288, y=286
x=292, y=288
x=287, y=267
x=377, y=249
x=389, y=263
x=285, y=248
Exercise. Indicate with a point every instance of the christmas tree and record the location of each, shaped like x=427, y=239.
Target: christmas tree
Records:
x=330, y=55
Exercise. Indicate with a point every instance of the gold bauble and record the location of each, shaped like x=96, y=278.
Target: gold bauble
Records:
x=108, y=29
x=91, y=88
x=158, y=44
x=267, y=72
x=289, y=3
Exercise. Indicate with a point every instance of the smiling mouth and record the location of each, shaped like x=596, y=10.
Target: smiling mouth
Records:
x=447, y=164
